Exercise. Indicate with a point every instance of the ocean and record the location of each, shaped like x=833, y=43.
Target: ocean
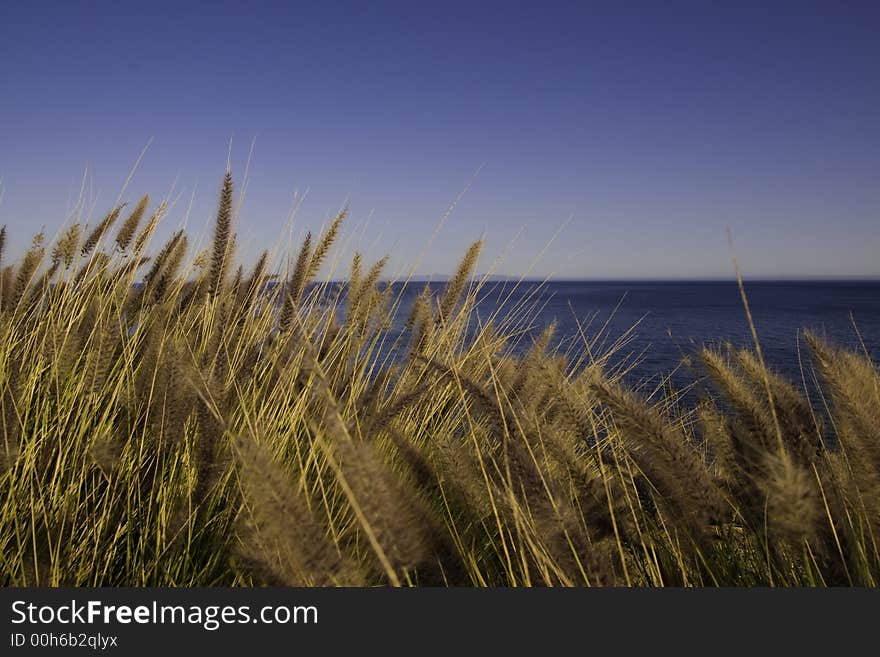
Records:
x=652, y=326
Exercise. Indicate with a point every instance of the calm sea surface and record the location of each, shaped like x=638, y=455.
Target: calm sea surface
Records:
x=662, y=321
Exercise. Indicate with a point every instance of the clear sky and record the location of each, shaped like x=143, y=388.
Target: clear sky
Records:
x=642, y=130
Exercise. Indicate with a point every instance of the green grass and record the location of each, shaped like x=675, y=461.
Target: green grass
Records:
x=203, y=429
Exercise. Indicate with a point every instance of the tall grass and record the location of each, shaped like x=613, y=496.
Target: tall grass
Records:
x=173, y=424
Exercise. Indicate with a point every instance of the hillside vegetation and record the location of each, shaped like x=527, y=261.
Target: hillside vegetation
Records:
x=172, y=420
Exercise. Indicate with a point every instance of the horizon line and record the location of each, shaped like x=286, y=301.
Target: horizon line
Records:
x=442, y=278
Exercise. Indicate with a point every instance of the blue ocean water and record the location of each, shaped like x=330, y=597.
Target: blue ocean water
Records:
x=664, y=321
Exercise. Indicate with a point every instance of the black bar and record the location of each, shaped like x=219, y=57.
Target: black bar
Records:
x=412, y=621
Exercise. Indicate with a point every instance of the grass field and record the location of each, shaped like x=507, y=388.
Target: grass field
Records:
x=204, y=428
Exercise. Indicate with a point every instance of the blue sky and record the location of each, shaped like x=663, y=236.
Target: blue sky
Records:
x=641, y=131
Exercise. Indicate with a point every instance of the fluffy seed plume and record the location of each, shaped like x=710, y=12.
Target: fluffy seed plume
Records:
x=296, y=284
x=220, y=250
x=129, y=226
x=99, y=230
x=324, y=244
x=147, y=231
x=280, y=535
x=65, y=249
x=457, y=284
x=27, y=269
